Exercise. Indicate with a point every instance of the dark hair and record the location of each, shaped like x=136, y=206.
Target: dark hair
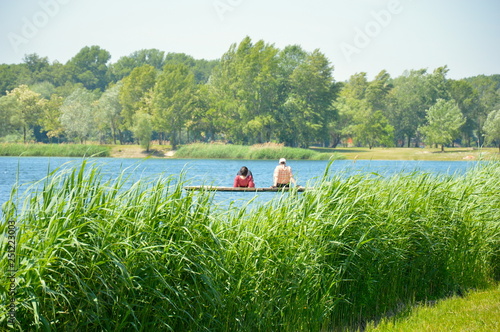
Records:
x=243, y=171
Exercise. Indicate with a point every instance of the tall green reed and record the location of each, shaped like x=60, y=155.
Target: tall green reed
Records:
x=109, y=255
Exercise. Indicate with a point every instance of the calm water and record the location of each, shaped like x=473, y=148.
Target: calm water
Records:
x=28, y=170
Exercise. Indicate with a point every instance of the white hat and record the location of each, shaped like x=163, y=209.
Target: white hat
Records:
x=282, y=161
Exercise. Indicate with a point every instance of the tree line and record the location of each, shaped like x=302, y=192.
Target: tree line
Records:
x=254, y=93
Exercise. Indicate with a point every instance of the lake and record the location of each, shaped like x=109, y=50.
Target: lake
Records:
x=28, y=170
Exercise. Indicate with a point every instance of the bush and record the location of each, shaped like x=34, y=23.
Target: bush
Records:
x=54, y=150
x=261, y=151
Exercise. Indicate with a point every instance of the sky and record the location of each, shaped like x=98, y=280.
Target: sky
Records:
x=356, y=36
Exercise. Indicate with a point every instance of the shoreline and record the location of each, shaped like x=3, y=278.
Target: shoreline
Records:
x=450, y=154
x=349, y=153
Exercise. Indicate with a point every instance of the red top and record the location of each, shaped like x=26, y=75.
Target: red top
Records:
x=246, y=182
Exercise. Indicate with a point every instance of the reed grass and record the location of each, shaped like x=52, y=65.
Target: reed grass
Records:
x=109, y=255
x=54, y=150
x=230, y=151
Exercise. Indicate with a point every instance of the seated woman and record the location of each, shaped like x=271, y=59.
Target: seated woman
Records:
x=244, y=179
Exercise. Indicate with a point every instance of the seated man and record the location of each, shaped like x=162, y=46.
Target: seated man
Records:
x=282, y=176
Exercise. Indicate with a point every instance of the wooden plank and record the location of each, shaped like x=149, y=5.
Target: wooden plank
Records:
x=240, y=189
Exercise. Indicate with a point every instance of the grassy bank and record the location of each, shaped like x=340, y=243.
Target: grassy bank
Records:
x=265, y=151
x=476, y=312
x=105, y=255
x=450, y=154
x=229, y=151
x=54, y=150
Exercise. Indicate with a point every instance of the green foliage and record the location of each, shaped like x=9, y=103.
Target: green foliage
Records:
x=54, y=150
x=201, y=69
x=414, y=92
x=309, y=102
x=7, y=113
x=230, y=151
x=467, y=100
x=27, y=109
x=89, y=67
x=373, y=129
x=134, y=90
x=51, y=119
x=126, y=64
x=255, y=93
x=487, y=90
x=244, y=87
x=492, y=127
x=77, y=115
x=143, y=129
x=172, y=98
x=444, y=121
x=110, y=255
x=109, y=112
x=11, y=76
x=360, y=115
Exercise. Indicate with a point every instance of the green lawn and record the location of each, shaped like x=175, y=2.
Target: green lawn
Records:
x=414, y=153
x=478, y=311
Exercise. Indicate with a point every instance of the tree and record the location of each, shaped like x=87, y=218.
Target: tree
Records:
x=7, y=111
x=172, y=98
x=366, y=126
x=11, y=76
x=358, y=120
x=444, y=120
x=487, y=88
x=45, y=89
x=467, y=100
x=374, y=129
x=200, y=68
x=37, y=66
x=143, y=129
x=51, y=121
x=310, y=99
x=28, y=109
x=377, y=91
x=135, y=87
x=413, y=93
x=492, y=128
x=77, y=115
x=202, y=122
x=60, y=74
x=89, y=67
x=361, y=107
x=109, y=112
x=124, y=66
x=356, y=86
x=244, y=87
x=288, y=60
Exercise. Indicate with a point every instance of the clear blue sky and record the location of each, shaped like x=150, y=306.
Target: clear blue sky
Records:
x=356, y=35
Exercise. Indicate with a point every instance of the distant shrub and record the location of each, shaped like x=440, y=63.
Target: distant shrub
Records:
x=258, y=151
